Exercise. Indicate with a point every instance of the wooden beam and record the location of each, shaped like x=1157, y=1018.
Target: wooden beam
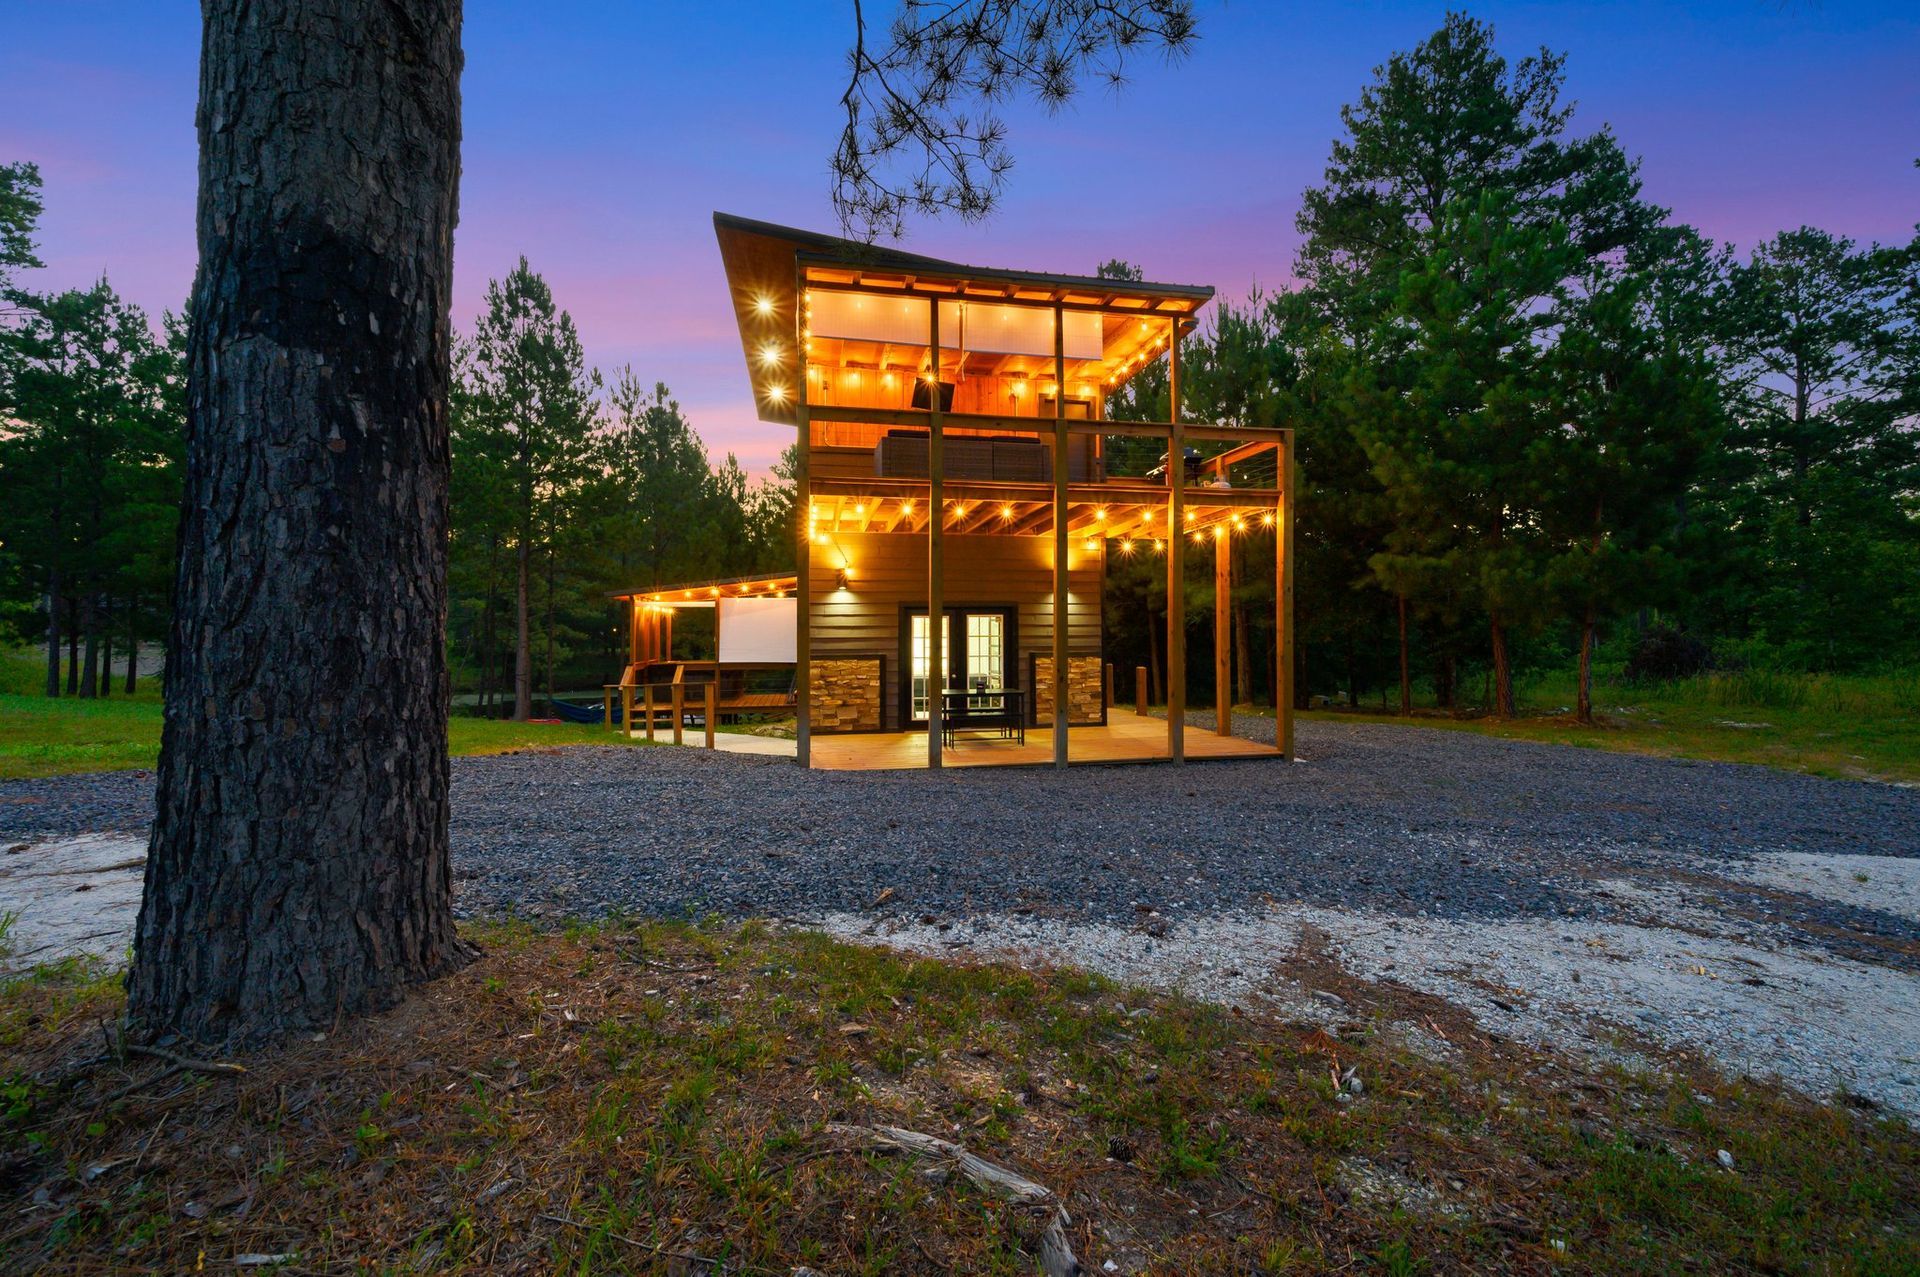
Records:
x=1114, y=497
x=803, y=576
x=1176, y=558
x=1283, y=606
x=1061, y=513
x=1222, y=633
x=936, y=552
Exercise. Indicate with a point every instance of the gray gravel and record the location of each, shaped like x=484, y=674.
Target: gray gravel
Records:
x=1408, y=820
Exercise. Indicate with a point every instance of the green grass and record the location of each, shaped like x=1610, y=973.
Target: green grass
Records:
x=41, y=737
x=1854, y=727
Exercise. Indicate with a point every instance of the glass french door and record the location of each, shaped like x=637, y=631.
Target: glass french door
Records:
x=977, y=660
x=921, y=632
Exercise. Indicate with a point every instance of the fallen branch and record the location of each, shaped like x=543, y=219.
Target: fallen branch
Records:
x=176, y=1065
x=1056, y=1252
x=183, y=1061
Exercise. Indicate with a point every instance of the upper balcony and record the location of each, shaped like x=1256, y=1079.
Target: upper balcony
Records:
x=868, y=345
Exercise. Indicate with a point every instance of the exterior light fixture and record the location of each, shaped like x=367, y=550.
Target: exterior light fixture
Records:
x=1006, y=512
x=776, y=394
x=840, y=579
x=763, y=306
x=1267, y=518
x=770, y=354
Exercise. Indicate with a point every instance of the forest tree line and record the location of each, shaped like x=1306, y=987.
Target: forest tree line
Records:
x=567, y=484
x=1536, y=415
x=1537, y=419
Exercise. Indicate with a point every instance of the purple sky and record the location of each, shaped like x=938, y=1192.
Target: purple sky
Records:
x=600, y=137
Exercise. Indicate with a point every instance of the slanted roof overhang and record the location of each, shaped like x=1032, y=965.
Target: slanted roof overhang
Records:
x=732, y=587
x=764, y=261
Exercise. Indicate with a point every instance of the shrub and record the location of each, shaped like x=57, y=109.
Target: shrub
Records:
x=1665, y=653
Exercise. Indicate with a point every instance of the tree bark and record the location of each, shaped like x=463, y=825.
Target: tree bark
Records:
x=298, y=868
x=106, y=652
x=1443, y=682
x=133, y=643
x=73, y=648
x=1243, y=638
x=1406, y=676
x=1501, y=675
x=1157, y=684
x=1583, y=703
x=90, y=661
x=53, y=633
x=523, y=648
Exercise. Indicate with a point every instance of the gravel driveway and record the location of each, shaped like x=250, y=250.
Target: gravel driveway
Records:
x=1442, y=860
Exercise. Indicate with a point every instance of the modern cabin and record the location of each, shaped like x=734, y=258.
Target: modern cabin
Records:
x=959, y=491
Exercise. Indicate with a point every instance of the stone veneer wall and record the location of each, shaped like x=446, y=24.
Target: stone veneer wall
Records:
x=846, y=695
x=1085, y=690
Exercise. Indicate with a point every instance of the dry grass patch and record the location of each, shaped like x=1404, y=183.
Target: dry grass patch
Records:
x=655, y=1098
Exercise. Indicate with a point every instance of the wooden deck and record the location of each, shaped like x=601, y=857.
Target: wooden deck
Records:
x=1126, y=738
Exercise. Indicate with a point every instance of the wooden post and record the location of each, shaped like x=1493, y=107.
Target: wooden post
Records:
x=711, y=710
x=633, y=632
x=646, y=696
x=936, y=548
x=1140, y=690
x=1176, y=557
x=1283, y=606
x=606, y=706
x=803, y=517
x=1222, y=630
x=626, y=709
x=1062, y=619
x=1107, y=699
x=679, y=711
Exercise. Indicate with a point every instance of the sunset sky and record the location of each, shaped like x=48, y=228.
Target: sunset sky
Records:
x=601, y=137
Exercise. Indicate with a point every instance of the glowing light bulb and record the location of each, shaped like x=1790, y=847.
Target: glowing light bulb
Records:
x=763, y=306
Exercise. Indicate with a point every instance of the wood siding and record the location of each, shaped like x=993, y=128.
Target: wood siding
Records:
x=888, y=572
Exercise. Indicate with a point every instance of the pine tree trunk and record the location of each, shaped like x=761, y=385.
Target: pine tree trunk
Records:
x=73, y=648
x=298, y=868
x=549, y=634
x=106, y=653
x=90, y=648
x=1156, y=683
x=1406, y=676
x=1583, y=703
x=53, y=633
x=133, y=644
x=1243, y=639
x=523, y=647
x=1443, y=682
x=1502, y=673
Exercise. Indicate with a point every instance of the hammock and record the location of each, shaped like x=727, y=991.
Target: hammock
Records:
x=572, y=713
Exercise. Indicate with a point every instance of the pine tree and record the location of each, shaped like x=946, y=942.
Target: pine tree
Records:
x=533, y=406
